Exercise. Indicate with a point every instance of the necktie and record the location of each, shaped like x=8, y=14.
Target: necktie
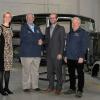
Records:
x=51, y=31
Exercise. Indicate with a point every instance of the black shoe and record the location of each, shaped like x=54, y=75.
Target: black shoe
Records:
x=37, y=89
x=58, y=92
x=8, y=91
x=79, y=94
x=48, y=90
x=26, y=90
x=70, y=91
x=3, y=93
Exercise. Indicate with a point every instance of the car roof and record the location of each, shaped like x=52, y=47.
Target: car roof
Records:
x=42, y=15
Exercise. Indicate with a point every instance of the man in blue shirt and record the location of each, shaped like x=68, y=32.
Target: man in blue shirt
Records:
x=30, y=53
x=77, y=43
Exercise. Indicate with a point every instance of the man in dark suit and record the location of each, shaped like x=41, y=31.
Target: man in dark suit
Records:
x=55, y=40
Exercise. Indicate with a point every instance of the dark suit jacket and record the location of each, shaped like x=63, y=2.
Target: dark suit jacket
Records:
x=55, y=45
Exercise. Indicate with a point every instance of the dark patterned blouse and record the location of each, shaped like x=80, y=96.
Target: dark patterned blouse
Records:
x=8, y=48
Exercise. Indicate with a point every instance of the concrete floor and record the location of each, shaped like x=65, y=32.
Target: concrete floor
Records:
x=91, y=90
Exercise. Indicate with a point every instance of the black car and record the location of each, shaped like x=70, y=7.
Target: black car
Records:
x=42, y=20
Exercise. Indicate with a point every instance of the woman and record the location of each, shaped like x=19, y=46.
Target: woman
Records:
x=6, y=53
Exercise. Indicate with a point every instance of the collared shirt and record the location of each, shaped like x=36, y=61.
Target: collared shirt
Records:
x=31, y=27
x=52, y=29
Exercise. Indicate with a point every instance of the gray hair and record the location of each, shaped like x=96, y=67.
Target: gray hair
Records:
x=29, y=14
x=77, y=18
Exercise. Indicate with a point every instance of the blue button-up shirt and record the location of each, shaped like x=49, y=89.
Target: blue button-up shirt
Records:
x=31, y=27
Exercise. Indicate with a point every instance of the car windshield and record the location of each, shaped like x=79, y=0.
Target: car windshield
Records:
x=44, y=22
x=87, y=25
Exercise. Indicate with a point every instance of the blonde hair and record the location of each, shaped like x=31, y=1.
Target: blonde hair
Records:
x=7, y=13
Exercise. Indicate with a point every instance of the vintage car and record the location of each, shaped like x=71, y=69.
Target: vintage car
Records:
x=42, y=20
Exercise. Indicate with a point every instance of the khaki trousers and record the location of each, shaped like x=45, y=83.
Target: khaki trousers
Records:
x=30, y=72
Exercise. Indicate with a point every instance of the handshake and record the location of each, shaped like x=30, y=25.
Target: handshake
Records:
x=40, y=42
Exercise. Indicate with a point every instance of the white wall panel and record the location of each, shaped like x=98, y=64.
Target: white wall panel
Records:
x=89, y=8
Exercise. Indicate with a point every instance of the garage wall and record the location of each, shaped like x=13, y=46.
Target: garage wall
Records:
x=89, y=8
x=39, y=6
